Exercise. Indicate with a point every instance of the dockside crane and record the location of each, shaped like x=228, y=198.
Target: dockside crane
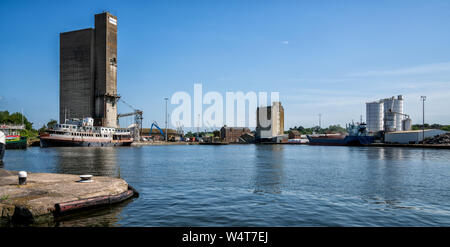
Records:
x=138, y=118
x=156, y=125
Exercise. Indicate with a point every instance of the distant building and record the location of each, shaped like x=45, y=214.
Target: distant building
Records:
x=247, y=138
x=270, y=123
x=387, y=115
x=88, y=72
x=172, y=134
x=411, y=136
x=232, y=134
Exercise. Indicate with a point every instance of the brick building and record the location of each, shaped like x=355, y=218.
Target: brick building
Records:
x=232, y=134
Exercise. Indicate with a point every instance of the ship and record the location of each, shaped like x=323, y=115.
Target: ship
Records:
x=82, y=133
x=357, y=136
x=13, y=138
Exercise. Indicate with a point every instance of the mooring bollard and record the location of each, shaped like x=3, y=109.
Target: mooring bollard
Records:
x=22, y=177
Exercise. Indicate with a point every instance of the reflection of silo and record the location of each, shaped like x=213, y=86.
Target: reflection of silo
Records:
x=374, y=116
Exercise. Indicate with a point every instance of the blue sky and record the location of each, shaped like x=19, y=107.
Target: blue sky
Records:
x=324, y=57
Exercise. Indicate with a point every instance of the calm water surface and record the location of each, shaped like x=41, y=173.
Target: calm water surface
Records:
x=258, y=185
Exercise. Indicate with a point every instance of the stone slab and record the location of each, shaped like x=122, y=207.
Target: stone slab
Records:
x=43, y=190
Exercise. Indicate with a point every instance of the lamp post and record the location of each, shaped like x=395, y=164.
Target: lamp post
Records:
x=320, y=120
x=165, y=132
x=423, y=98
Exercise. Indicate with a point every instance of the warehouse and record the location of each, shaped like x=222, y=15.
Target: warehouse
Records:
x=232, y=134
x=410, y=136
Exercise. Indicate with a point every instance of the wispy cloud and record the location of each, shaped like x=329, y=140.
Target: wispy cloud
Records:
x=285, y=42
x=421, y=69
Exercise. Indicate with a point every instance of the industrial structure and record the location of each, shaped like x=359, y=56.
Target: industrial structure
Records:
x=270, y=123
x=88, y=72
x=411, y=136
x=233, y=134
x=157, y=134
x=387, y=115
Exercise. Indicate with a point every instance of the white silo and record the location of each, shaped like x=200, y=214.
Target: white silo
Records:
x=398, y=109
x=374, y=116
x=393, y=113
x=406, y=124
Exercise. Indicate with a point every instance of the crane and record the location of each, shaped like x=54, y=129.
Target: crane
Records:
x=156, y=125
x=137, y=119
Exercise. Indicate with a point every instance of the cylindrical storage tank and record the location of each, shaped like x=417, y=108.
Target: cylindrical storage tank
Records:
x=389, y=117
x=374, y=116
x=398, y=108
x=407, y=124
x=389, y=122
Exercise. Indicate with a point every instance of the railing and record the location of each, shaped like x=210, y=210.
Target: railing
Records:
x=12, y=126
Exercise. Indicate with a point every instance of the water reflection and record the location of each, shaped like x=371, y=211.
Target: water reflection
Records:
x=98, y=217
x=385, y=179
x=95, y=161
x=269, y=160
x=94, y=217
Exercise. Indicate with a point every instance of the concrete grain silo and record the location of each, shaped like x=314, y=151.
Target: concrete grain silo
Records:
x=375, y=116
x=393, y=113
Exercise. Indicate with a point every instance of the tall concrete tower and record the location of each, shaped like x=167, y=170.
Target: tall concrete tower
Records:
x=105, y=70
x=270, y=121
x=88, y=72
x=76, y=68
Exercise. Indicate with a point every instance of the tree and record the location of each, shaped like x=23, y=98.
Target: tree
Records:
x=51, y=123
x=216, y=133
x=189, y=134
x=15, y=118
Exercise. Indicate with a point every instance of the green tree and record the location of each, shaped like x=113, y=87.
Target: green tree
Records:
x=49, y=125
x=189, y=134
x=15, y=118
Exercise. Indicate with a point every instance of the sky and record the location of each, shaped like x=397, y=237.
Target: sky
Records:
x=323, y=57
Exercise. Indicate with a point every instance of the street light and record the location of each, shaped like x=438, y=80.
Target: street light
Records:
x=165, y=132
x=423, y=98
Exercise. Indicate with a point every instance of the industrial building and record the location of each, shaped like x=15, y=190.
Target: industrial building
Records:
x=270, y=123
x=88, y=72
x=233, y=134
x=410, y=136
x=156, y=135
x=387, y=115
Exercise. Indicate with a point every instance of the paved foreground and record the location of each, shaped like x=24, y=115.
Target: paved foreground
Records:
x=48, y=194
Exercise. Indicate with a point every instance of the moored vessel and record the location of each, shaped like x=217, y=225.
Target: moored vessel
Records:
x=357, y=136
x=82, y=133
x=13, y=138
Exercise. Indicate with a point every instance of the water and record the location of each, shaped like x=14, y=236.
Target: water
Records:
x=258, y=185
